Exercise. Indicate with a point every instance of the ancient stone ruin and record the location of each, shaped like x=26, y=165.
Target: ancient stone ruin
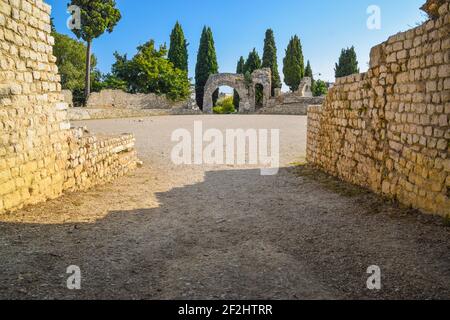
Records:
x=304, y=89
x=41, y=156
x=388, y=129
x=246, y=89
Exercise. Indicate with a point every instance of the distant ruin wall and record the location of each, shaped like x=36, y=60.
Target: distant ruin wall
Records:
x=388, y=129
x=123, y=100
x=290, y=104
x=38, y=149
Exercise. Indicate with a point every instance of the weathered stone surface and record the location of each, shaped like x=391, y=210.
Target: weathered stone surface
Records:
x=304, y=89
x=68, y=97
x=245, y=90
x=123, y=100
x=386, y=129
x=432, y=7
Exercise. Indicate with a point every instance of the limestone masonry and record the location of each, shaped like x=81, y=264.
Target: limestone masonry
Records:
x=388, y=129
x=40, y=155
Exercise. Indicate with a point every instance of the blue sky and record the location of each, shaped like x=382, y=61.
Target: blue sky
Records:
x=325, y=27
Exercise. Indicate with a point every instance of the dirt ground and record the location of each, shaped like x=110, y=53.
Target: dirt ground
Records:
x=222, y=232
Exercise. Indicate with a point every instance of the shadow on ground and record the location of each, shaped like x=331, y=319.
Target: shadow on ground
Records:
x=313, y=238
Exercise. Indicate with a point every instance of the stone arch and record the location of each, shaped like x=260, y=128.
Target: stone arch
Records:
x=304, y=89
x=245, y=90
x=235, y=81
x=263, y=77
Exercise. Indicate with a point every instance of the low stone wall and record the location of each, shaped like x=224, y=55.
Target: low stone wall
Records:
x=76, y=114
x=388, y=129
x=290, y=104
x=118, y=99
x=96, y=159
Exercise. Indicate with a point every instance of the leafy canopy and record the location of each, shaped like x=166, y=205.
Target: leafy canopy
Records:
x=319, y=88
x=270, y=59
x=293, y=64
x=254, y=63
x=71, y=60
x=348, y=63
x=97, y=16
x=178, y=53
x=225, y=106
x=206, y=65
x=150, y=72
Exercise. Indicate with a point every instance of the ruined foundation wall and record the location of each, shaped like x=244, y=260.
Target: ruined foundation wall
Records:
x=36, y=143
x=388, y=129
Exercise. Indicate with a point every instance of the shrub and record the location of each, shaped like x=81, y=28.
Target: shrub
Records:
x=225, y=106
x=319, y=88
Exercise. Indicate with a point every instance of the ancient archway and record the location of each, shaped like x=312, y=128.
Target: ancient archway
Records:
x=235, y=81
x=263, y=77
x=245, y=89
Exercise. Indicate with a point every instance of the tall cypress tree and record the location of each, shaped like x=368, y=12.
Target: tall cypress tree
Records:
x=253, y=62
x=206, y=65
x=293, y=64
x=178, y=53
x=239, y=70
x=309, y=72
x=348, y=63
x=270, y=59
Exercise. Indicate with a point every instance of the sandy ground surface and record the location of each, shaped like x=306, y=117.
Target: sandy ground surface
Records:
x=221, y=232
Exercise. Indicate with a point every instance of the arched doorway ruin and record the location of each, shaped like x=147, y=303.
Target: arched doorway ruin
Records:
x=245, y=88
x=235, y=81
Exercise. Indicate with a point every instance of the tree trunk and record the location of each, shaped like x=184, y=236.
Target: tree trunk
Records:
x=87, y=90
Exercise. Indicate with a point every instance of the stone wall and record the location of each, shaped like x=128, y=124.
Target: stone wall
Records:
x=94, y=158
x=291, y=103
x=37, y=143
x=76, y=114
x=123, y=100
x=388, y=129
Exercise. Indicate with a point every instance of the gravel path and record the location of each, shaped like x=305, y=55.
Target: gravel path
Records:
x=196, y=232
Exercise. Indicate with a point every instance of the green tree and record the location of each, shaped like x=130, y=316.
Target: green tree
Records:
x=319, y=88
x=293, y=64
x=178, y=53
x=206, y=65
x=97, y=16
x=109, y=81
x=254, y=63
x=225, y=106
x=151, y=72
x=348, y=63
x=71, y=60
x=309, y=72
x=239, y=70
x=270, y=59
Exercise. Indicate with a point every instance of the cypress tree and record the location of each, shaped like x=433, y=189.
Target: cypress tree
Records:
x=239, y=70
x=206, y=65
x=178, y=53
x=253, y=62
x=270, y=59
x=293, y=64
x=348, y=63
x=309, y=72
